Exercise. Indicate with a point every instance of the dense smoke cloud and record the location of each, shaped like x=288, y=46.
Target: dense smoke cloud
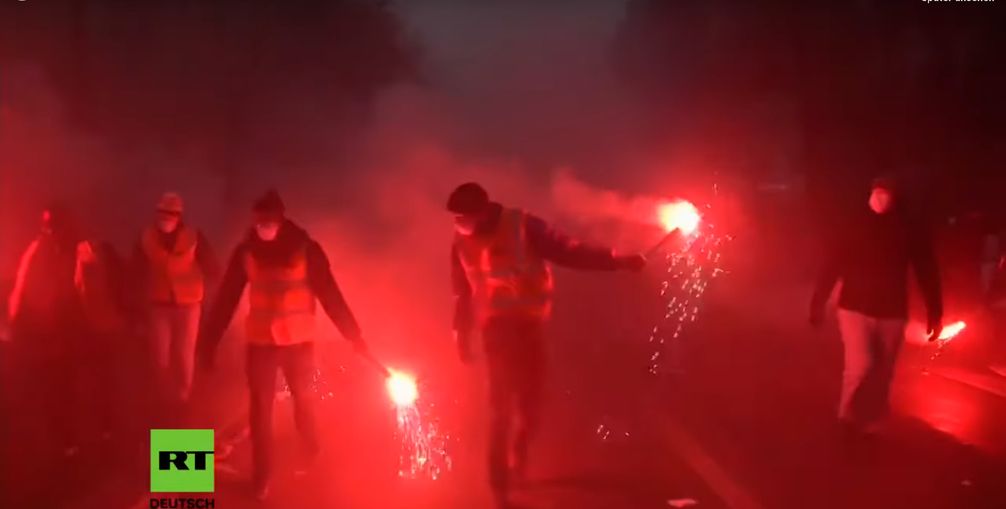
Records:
x=577, y=199
x=370, y=186
x=577, y=119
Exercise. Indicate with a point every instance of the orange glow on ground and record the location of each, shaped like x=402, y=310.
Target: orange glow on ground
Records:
x=679, y=214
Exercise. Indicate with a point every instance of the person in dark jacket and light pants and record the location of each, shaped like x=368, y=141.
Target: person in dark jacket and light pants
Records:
x=872, y=259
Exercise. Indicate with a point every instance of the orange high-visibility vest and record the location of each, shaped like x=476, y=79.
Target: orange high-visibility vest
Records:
x=506, y=276
x=281, y=304
x=175, y=276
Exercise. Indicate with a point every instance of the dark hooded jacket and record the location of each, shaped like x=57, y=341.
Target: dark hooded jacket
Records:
x=872, y=257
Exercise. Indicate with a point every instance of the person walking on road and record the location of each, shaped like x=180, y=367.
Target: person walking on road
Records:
x=503, y=288
x=287, y=274
x=872, y=258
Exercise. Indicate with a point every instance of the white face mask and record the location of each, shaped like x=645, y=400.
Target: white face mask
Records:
x=880, y=201
x=167, y=225
x=464, y=225
x=267, y=231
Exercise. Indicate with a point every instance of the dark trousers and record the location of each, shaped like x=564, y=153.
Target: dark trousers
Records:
x=102, y=358
x=515, y=352
x=48, y=384
x=264, y=362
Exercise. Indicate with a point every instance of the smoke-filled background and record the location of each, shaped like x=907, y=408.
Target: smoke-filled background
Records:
x=365, y=114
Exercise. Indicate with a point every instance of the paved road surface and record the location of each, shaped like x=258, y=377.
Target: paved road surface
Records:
x=747, y=425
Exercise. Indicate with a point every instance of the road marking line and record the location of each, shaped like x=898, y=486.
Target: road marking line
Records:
x=990, y=383
x=728, y=489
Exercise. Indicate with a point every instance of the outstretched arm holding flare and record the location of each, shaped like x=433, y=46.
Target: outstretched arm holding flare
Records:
x=551, y=245
x=563, y=250
x=319, y=274
x=927, y=273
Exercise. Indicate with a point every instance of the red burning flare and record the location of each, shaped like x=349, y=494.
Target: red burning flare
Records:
x=679, y=214
x=402, y=389
x=951, y=331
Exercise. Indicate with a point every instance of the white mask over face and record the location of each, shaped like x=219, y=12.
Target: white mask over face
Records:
x=267, y=231
x=465, y=225
x=167, y=224
x=880, y=201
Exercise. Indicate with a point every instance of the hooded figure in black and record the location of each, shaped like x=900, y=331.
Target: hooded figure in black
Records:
x=872, y=258
x=288, y=276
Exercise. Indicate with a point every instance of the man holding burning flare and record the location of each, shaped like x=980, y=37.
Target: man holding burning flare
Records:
x=287, y=273
x=872, y=259
x=503, y=287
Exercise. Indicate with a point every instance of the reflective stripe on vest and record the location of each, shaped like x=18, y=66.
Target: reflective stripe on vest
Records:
x=175, y=275
x=505, y=275
x=281, y=305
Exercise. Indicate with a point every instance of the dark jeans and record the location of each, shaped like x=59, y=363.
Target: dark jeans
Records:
x=264, y=362
x=515, y=352
x=48, y=384
x=101, y=382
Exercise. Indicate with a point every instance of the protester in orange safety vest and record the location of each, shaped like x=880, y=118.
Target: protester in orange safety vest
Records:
x=174, y=266
x=503, y=287
x=287, y=274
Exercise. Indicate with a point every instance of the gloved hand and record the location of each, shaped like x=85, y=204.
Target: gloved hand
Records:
x=634, y=262
x=934, y=326
x=816, y=317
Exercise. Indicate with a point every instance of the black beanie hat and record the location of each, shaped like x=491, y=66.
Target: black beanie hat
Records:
x=269, y=203
x=885, y=182
x=468, y=198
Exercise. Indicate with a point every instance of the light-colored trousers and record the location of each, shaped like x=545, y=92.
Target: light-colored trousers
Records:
x=173, y=331
x=871, y=349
